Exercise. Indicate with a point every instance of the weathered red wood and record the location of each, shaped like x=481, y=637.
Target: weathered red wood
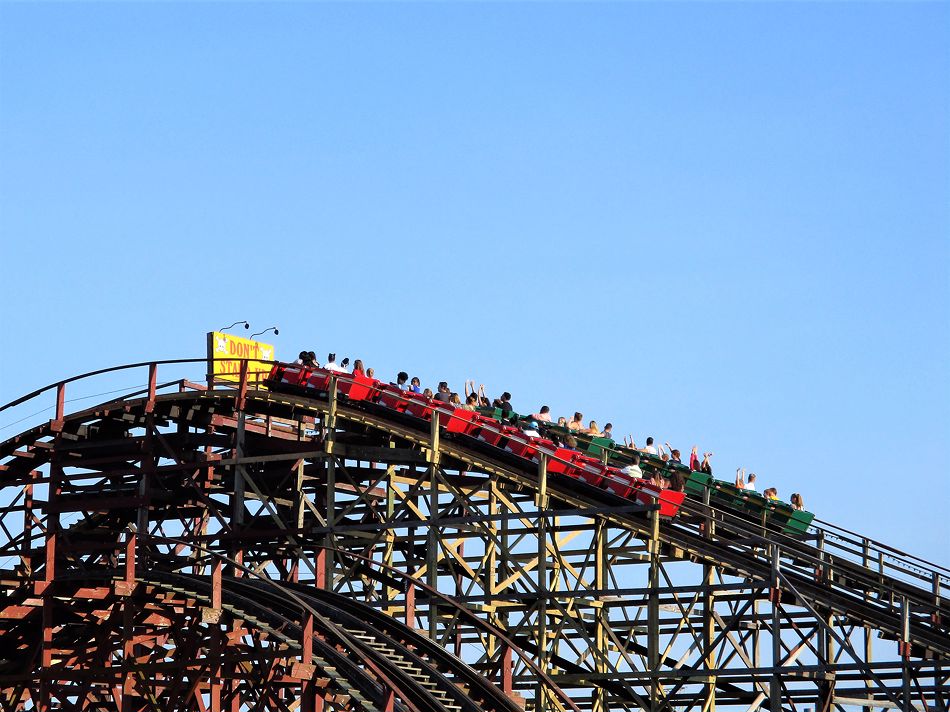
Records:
x=152, y=383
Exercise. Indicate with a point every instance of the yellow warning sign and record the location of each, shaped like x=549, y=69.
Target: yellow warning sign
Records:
x=226, y=350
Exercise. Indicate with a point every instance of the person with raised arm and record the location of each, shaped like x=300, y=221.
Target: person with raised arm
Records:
x=674, y=455
x=470, y=389
x=694, y=459
x=740, y=478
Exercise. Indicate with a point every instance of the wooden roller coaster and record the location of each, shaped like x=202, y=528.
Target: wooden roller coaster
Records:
x=231, y=545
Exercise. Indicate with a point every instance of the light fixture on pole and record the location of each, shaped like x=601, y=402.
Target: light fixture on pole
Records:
x=269, y=328
x=239, y=321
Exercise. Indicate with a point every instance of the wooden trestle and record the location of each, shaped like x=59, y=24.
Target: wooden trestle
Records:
x=224, y=547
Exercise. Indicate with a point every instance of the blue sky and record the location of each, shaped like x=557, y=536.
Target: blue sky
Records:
x=717, y=224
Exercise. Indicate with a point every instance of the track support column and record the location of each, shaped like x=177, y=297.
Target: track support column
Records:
x=775, y=594
x=653, y=611
x=541, y=702
x=709, y=632
x=905, y=646
x=390, y=593
x=602, y=615
x=329, y=440
x=432, y=548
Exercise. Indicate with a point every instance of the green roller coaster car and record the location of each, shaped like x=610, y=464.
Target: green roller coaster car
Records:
x=779, y=515
x=774, y=512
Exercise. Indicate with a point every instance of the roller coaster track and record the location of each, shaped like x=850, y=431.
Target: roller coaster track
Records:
x=225, y=546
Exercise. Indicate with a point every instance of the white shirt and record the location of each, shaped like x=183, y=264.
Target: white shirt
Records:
x=650, y=449
x=334, y=366
x=544, y=417
x=633, y=471
x=750, y=486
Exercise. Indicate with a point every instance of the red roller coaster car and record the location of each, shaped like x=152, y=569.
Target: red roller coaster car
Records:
x=560, y=460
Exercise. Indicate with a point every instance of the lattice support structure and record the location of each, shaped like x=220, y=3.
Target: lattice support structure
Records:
x=230, y=548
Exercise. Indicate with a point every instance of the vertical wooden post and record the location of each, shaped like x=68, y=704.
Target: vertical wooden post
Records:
x=320, y=564
x=410, y=604
x=237, y=497
x=152, y=385
x=307, y=691
x=215, y=684
x=541, y=501
x=653, y=611
x=936, y=589
x=329, y=442
x=130, y=546
x=709, y=531
x=389, y=593
x=602, y=614
x=299, y=512
x=26, y=549
x=489, y=577
x=507, y=683
x=775, y=594
x=128, y=613
x=242, y=387
x=905, y=646
x=868, y=648
x=459, y=592
x=432, y=547
x=503, y=570
x=60, y=402
x=45, y=587
x=541, y=701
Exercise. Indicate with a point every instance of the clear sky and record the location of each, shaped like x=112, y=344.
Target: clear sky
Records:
x=718, y=224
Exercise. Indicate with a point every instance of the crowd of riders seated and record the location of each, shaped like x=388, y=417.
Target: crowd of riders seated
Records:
x=537, y=425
